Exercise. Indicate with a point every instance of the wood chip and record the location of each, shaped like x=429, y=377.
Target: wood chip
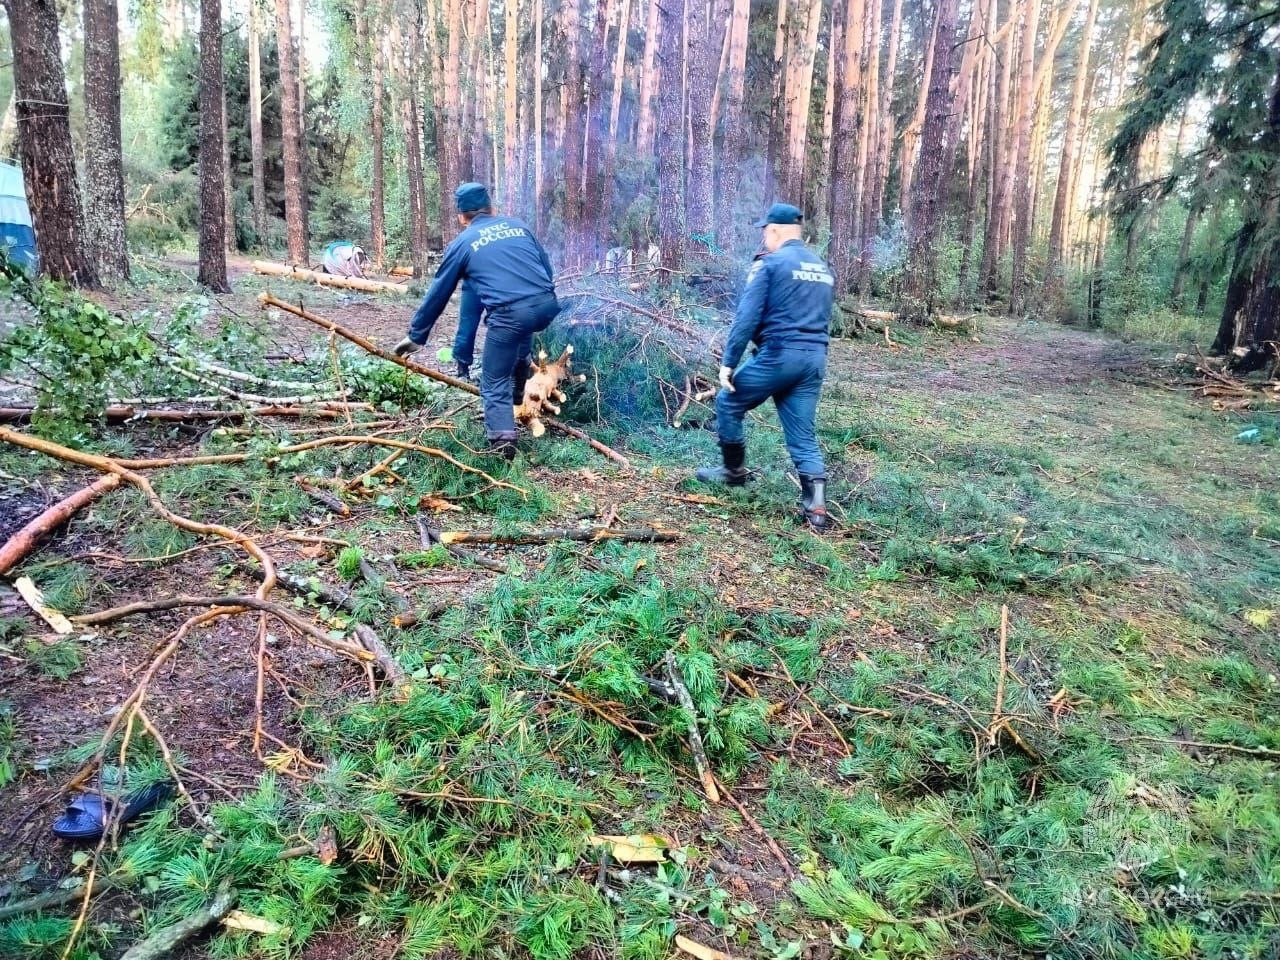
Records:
x=35, y=600
x=695, y=949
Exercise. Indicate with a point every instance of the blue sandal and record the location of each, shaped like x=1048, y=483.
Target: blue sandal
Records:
x=86, y=815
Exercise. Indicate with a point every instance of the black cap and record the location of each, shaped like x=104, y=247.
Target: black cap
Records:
x=471, y=197
x=781, y=213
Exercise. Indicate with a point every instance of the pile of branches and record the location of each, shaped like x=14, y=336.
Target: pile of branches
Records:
x=1228, y=391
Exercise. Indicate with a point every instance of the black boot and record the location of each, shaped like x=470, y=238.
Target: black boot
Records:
x=813, y=500
x=734, y=473
x=464, y=372
x=504, y=447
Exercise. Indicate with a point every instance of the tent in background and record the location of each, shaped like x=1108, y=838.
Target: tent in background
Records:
x=17, y=238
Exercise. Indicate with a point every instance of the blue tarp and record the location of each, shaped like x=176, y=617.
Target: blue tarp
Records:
x=17, y=238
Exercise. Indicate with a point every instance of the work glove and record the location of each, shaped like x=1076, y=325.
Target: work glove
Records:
x=726, y=378
x=406, y=347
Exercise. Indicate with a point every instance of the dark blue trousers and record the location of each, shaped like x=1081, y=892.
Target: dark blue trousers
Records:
x=793, y=378
x=469, y=313
x=506, y=360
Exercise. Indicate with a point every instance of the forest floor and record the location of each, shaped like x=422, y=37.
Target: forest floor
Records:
x=902, y=776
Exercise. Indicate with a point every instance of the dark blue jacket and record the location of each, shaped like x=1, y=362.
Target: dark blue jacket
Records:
x=786, y=303
x=502, y=261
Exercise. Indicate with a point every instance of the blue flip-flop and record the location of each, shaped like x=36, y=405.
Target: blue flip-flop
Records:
x=86, y=815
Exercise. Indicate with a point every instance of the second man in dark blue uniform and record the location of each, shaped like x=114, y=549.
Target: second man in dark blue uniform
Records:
x=512, y=278
x=785, y=311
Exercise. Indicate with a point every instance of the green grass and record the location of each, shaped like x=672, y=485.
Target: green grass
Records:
x=1131, y=536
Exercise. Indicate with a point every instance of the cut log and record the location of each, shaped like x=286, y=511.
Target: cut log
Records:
x=25, y=540
x=161, y=942
x=400, y=271
x=268, y=300
x=326, y=279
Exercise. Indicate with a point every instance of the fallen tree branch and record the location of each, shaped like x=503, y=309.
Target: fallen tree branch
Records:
x=695, y=737
x=249, y=397
x=126, y=413
x=229, y=604
x=429, y=537
x=50, y=898
x=760, y=832
x=25, y=540
x=326, y=279
x=162, y=942
x=370, y=347
x=591, y=535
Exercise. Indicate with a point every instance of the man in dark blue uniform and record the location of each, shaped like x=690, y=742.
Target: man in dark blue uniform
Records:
x=785, y=311
x=470, y=312
x=512, y=279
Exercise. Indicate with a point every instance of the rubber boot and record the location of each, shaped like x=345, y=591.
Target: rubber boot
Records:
x=734, y=473
x=464, y=372
x=813, y=501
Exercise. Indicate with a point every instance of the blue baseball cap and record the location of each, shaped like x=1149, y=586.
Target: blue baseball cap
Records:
x=783, y=213
x=471, y=197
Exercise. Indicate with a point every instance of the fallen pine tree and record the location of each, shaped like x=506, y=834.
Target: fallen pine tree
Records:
x=326, y=279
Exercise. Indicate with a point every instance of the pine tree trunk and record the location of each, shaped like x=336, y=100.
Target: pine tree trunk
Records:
x=912, y=132
x=775, y=156
x=704, y=50
x=304, y=155
x=290, y=122
x=103, y=163
x=804, y=48
x=596, y=197
x=510, y=47
x=213, y=226
x=1024, y=119
x=450, y=145
x=649, y=80
x=1184, y=250
x=924, y=224
x=820, y=218
x=538, y=133
x=883, y=135
x=867, y=226
x=1063, y=193
x=670, y=138
x=44, y=140
x=413, y=150
x=573, y=131
x=848, y=122
x=998, y=207
x=377, y=133
x=256, y=146
x=728, y=229
x=9, y=127
x=228, y=179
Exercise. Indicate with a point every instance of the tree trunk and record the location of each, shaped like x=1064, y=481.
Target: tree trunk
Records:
x=103, y=163
x=728, y=229
x=1184, y=250
x=704, y=50
x=867, y=226
x=915, y=126
x=648, y=81
x=820, y=218
x=413, y=150
x=44, y=140
x=256, y=147
x=9, y=127
x=883, y=143
x=998, y=207
x=228, y=180
x=848, y=132
x=510, y=48
x=777, y=105
x=799, y=91
x=1022, y=124
x=538, y=134
x=451, y=142
x=670, y=139
x=290, y=125
x=213, y=210
x=1063, y=193
x=304, y=156
x=596, y=195
x=924, y=224
x=573, y=131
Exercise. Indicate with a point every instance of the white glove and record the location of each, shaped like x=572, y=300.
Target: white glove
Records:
x=726, y=378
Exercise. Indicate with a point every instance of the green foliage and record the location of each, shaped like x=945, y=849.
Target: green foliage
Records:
x=59, y=659
x=8, y=732
x=74, y=351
